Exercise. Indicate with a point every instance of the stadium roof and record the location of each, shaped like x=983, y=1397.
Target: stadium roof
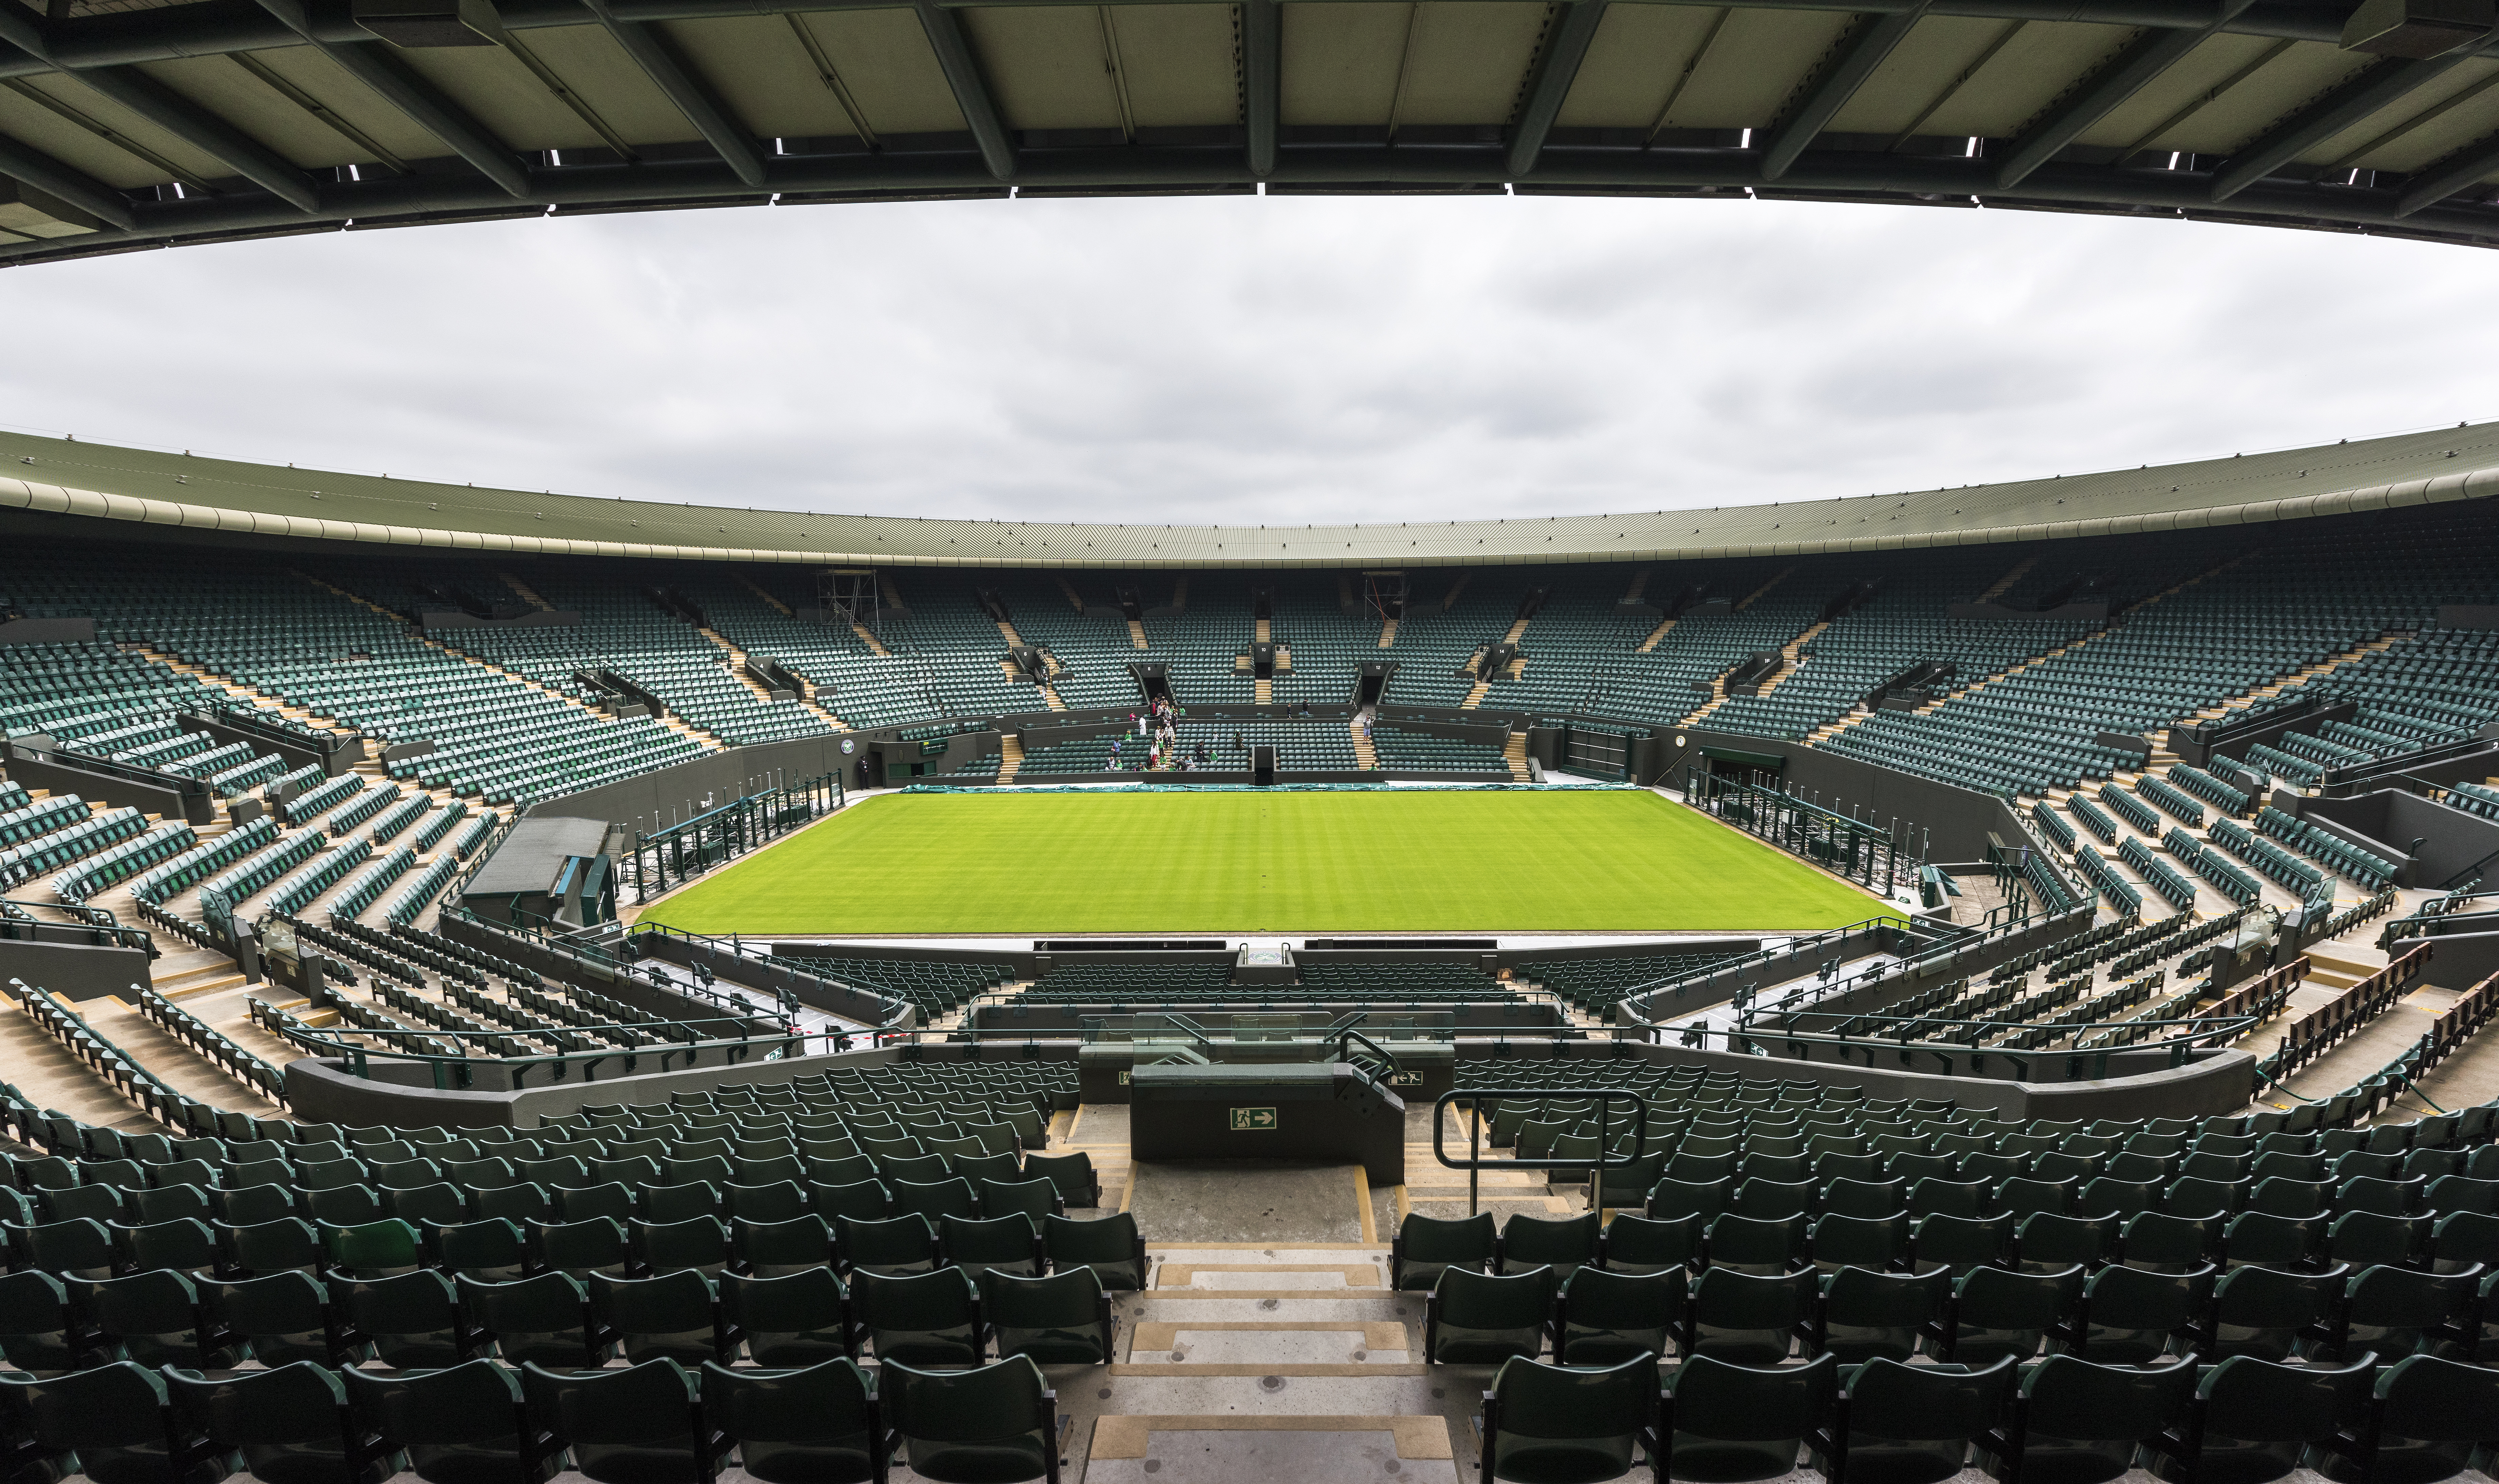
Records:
x=177, y=490
x=137, y=123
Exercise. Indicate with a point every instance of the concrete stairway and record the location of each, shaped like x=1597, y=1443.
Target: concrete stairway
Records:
x=1136, y=635
x=45, y=1072
x=2007, y=673
x=1388, y=633
x=1049, y=693
x=1514, y=753
x=1790, y=658
x=769, y=601
x=1717, y=698
x=1363, y=752
x=737, y=671
x=529, y=595
x=2005, y=584
x=2273, y=689
x=671, y=722
x=1655, y=635
x=1010, y=757
x=1764, y=591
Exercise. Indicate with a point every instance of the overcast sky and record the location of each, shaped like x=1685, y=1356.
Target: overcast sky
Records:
x=1247, y=359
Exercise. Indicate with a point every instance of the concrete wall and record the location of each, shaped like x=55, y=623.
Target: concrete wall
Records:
x=60, y=774
x=640, y=993
x=2216, y=1083
x=2089, y=613
x=962, y=750
x=1870, y=999
x=76, y=970
x=433, y=619
x=1504, y=1017
x=1955, y=822
x=2219, y=1083
x=673, y=795
x=2388, y=821
x=296, y=754
x=778, y=979
x=2243, y=734
x=47, y=630
x=321, y=1090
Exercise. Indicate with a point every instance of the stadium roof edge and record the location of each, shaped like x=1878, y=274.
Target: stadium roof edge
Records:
x=160, y=488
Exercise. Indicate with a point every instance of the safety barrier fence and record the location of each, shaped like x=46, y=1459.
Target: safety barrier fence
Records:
x=2335, y=1021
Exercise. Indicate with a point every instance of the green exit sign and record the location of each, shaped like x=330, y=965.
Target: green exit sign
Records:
x=1251, y=1120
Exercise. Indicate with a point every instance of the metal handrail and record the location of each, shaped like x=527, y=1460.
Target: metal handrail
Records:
x=896, y=1009
x=1756, y=1043
x=1194, y=1031
x=1793, y=947
x=2236, y=1025
x=1476, y=1163
x=1909, y=965
x=593, y=954
x=454, y=1072
x=1345, y=1040
x=86, y=919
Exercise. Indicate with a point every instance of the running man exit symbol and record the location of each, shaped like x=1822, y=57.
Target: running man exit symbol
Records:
x=1253, y=1120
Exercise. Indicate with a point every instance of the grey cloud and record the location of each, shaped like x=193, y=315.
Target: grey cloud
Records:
x=1277, y=360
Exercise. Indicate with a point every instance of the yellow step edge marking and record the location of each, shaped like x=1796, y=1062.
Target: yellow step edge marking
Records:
x=1377, y=1333
x=1184, y=1274
x=1269, y=1246
x=1297, y=1295
x=1231, y=1372
x=1416, y=1438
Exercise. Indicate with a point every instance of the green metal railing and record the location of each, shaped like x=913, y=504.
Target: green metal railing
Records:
x=667, y=858
x=1795, y=951
x=457, y=1073
x=2198, y=1033
x=1847, y=848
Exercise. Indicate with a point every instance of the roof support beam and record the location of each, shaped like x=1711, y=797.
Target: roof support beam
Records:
x=426, y=106
x=2363, y=95
x=703, y=109
x=1262, y=79
x=173, y=113
x=2068, y=185
x=2481, y=160
x=946, y=38
x=1858, y=55
x=1556, y=68
x=2151, y=56
x=22, y=163
x=204, y=132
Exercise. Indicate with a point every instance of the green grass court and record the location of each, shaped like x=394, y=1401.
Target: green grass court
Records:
x=1390, y=860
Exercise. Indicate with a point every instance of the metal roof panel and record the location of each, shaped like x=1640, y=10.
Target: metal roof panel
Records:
x=1756, y=64
x=756, y=66
x=1047, y=64
x=1340, y=61
x=1640, y=56
x=884, y=59
x=163, y=488
x=1177, y=61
